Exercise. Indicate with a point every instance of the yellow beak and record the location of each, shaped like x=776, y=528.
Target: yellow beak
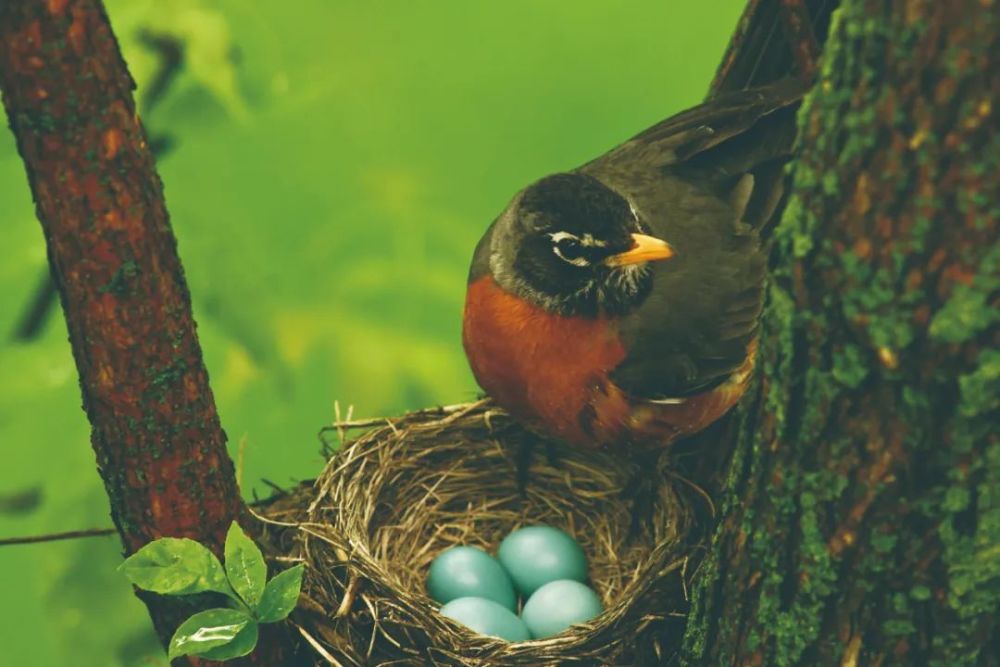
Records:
x=646, y=249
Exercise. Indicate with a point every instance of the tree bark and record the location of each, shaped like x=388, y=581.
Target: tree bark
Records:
x=155, y=430
x=861, y=520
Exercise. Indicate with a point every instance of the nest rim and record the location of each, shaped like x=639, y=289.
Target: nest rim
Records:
x=378, y=486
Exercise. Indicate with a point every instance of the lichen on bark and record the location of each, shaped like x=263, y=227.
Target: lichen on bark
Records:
x=862, y=519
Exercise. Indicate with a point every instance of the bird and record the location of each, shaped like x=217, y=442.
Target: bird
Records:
x=617, y=304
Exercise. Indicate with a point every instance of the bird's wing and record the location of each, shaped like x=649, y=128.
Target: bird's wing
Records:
x=695, y=327
x=690, y=357
x=707, y=181
x=685, y=135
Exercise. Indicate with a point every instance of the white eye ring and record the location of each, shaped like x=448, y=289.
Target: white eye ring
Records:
x=588, y=241
x=565, y=236
x=561, y=236
x=576, y=261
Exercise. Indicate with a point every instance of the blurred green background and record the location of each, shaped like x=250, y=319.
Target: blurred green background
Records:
x=332, y=165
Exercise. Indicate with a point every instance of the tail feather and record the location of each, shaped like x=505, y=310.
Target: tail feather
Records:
x=774, y=39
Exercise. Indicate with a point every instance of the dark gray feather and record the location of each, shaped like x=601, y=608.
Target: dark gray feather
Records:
x=686, y=179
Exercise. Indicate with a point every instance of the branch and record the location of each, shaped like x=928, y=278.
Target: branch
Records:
x=160, y=447
x=171, y=57
x=56, y=537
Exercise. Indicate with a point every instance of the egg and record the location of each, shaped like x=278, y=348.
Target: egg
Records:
x=536, y=555
x=461, y=572
x=487, y=618
x=558, y=605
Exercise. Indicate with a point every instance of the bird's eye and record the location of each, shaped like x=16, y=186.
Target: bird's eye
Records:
x=569, y=249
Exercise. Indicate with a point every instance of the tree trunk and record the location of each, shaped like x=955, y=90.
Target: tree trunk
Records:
x=861, y=520
x=159, y=444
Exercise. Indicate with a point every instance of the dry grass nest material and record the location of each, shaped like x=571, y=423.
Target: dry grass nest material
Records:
x=397, y=496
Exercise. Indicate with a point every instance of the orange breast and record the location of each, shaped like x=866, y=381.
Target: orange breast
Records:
x=552, y=373
x=549, y=371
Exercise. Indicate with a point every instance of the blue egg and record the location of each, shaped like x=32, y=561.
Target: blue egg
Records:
x=487, y=618
x=559, y=604
x=536, y=555
x=461, y=572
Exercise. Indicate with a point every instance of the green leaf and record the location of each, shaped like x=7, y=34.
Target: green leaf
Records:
x=242, y=644
x=207, y=630
x=280, y=595
x=175, y=566
x=245, y=565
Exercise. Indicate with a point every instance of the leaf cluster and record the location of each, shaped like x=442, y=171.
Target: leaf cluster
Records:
x=180, y=566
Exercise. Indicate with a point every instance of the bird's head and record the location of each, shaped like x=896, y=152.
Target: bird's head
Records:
x=573, y=246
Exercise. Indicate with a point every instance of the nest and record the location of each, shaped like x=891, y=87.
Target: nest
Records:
x=394, y=498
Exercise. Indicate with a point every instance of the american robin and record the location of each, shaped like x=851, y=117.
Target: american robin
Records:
x=619, y=302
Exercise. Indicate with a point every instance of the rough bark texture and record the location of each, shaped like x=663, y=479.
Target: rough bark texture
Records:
x=861, y=525
x=159, y=444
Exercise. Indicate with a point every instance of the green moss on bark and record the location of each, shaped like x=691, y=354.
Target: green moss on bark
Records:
x=861, y=522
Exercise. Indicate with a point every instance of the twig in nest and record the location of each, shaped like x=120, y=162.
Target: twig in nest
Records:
x=317, y=646
x=348, y=600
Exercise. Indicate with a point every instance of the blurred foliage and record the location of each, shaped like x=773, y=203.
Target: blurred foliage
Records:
x=333, y=165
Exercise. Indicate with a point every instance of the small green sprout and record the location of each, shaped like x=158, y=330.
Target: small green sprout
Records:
x=179, y=566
